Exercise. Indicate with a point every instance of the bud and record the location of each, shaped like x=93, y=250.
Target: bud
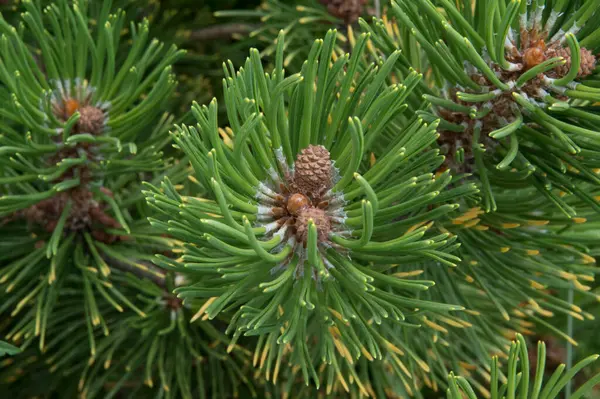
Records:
x=296, y=203
x=91, y=120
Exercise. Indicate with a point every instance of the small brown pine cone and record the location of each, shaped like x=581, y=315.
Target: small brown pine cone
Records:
x=586, y=67
x=80, y=217
x=91, y=120
x=312, y=174
x=347, y=10
x=321, y=220
x=588, y=63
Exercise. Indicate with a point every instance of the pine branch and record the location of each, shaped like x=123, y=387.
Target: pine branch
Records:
x=78, y=136
x=286, y=238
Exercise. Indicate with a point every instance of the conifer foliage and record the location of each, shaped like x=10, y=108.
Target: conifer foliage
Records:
x=523, y=379
x=285, y=234
x=76, y=135
x=511, y=91
x=8, y=349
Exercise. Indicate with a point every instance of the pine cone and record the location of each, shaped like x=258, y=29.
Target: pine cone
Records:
x=91, y=120
x=347, y=10
x=312, y=176
x=588, y=62
x=321, y=220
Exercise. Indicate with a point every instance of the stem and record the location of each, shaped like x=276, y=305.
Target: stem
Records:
x=222, y=31
x=160, y=281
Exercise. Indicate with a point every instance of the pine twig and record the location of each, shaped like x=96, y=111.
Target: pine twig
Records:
x=222, y=31
x=153, y=273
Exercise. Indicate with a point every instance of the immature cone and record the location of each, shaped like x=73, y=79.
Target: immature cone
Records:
x=91, y=120
x=312, y=174
x=348, y=10
x=85, y=214
x=586, y=67
x=320, y=219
